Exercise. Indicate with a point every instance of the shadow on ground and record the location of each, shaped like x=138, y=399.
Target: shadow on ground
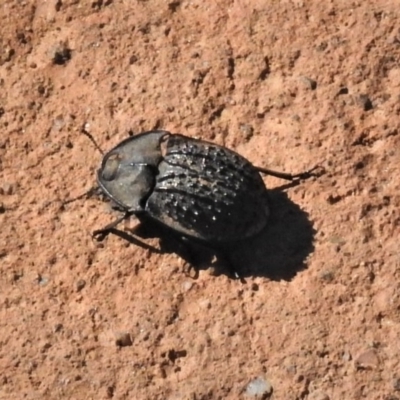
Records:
x=278, y=252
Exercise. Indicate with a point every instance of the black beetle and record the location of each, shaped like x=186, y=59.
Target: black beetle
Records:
x=196, y=189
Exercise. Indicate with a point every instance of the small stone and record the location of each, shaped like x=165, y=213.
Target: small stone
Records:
x=396, y=384
x=333, y=199
x=58, y=123
x=173, y=354
x=187, y=285
x=41, y=90
x=296, y=118
x=58, y=328
x=260, y=388
x=254, y=287
x=318, y=395
x=205, y=304
x=247, y=130
x=299, y=378
x=42, y=280
x=133, y=59
x=343, y=90
x=110, y=392
x=9, y=54
x=80, y=285
x=327, y=276
x=60, y=54
x=365, y=102
x=346, y=356
x=8, y=188
x=310, y=83
x=2, y=208
x=367, y=360
x=123, y=339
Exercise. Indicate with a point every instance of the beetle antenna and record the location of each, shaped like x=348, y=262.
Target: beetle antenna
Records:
x=92, y=139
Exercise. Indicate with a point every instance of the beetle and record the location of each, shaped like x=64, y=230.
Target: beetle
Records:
x=196, y=189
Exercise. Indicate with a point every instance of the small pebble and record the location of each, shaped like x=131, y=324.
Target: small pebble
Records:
x=333, y=199
x=60, y=54
x=318, y=395
x=327, y=276
x=254, y=287
x=247, y=130
x=367, y=360
x=346, y=356
x=58, y=328
x=396, y=384
x=187, y=285
x=80, y=285
x=8, y=188
x=310, y=83
x=365, y=102
x=58, y=123
x=9, y=53
x=42, y=280
x=296, y=118
x=343, y=90
x=133, y=59
x=110, y=392
x=259, y=387
x=123, y=339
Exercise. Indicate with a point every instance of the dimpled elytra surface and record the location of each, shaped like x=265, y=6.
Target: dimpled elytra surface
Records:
x=208, y=192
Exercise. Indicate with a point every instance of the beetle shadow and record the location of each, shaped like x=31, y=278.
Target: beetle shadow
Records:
x=278, y=252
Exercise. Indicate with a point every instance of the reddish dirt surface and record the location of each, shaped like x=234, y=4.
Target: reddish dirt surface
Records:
x=288, y=85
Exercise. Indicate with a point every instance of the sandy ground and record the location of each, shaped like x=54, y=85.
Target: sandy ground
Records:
x=287, y=84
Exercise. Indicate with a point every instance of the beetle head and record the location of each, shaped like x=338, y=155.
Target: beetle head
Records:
x=127, y=173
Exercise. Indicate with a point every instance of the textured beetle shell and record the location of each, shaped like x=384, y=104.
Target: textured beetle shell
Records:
x=208, y=192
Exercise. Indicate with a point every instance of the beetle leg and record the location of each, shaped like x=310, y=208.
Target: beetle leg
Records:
x=100, y=234
x=315, y=171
